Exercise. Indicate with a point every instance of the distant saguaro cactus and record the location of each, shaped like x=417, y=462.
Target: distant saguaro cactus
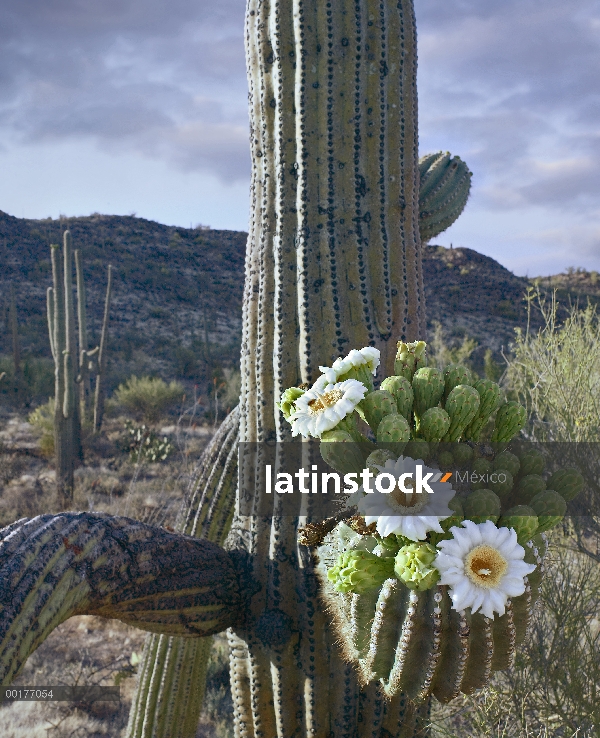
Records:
x=61, y=329
x=72, y=367
x=101, y=357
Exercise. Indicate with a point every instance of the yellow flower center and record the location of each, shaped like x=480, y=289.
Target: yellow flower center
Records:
x=322, y=402
x=412, y=501
x=485, y=566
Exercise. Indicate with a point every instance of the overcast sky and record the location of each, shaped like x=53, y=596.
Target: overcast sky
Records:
x=139, y=106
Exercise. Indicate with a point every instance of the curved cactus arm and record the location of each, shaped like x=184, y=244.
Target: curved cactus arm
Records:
x=172, y=674
x=56, y=566
x=445, y=183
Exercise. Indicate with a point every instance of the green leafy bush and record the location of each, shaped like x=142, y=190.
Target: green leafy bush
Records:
x=42, y=419
x=555, y=374
x=148, y=398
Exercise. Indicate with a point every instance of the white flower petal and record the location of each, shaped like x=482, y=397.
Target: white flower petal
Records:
x=488, y=596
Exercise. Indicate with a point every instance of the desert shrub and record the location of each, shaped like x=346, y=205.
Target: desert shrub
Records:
x=555, y=374
x=441, y=352
x=553, y=689
x=148, y=398
x=42, y=419
x=143, y=444
x=34, y=382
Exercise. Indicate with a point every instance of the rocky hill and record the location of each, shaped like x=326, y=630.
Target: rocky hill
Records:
x=178, y=292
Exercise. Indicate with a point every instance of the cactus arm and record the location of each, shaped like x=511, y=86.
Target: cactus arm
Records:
x=172, y=672
x=62, y=436
x=56, y=566
x=99, y=394
x=50, y=317
x=445, y=183
x=84, y=380
x=81, y=308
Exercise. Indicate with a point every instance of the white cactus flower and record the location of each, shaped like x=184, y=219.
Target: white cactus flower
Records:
x=322, y=407
x=483, y=566
x=411, y=514
x=367, y=357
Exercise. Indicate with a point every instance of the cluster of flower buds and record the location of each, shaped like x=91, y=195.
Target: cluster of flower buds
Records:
x=422, y=420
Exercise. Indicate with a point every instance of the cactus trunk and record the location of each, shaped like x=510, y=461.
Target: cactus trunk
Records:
x=333, y=261
x=173, y=669
x=101, y=360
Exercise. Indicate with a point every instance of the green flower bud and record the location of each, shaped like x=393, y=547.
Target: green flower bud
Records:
x=455, y=374
x=501, y=482
x=461, y=405
x=462, y=453
x=567, y=482
x=508, y=461
x=413, y=566
x=434, y=424
x=482, y=505
x=340, y=451
x=481, y=468
x=395, y=432
x=360, y=571
x=375, y=406
x=509, y=421
x=523, y=520
x=378, y=458
x=490, y=397
x=528, y=487
x=550, y=509
x=428, y=386
x=532, y=462
x=288, y=398
x=401, y=389
x=409, y=358
x=445, y=460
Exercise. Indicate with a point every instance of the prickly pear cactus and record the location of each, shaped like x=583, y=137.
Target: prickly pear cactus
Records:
x=430, y=594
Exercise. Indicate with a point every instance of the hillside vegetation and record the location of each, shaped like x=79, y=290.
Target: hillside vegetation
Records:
x=177, y=300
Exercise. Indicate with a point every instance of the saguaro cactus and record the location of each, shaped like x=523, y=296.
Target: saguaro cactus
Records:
x=333, y=261
x=101, y=357
x=61, y=329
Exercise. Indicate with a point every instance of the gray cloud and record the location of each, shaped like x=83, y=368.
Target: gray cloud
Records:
x=516, y=88
x=165, y=79
x=512, y=87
